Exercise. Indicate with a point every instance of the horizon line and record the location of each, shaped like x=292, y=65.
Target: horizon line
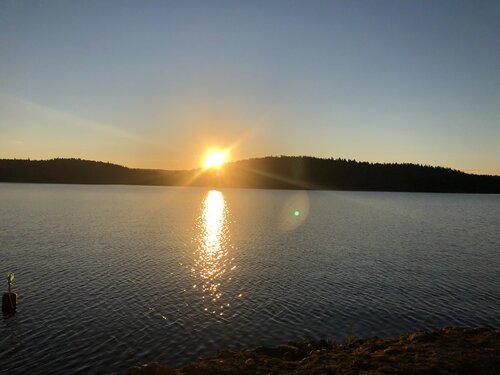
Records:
x=261, y=157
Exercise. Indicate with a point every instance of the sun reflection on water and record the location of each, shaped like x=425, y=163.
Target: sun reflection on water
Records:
x=213, y=222
x=212, y=261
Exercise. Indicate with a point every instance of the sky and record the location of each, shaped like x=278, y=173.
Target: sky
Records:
x=153, y=84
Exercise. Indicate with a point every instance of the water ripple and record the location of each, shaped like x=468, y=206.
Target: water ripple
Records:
x=109, y=277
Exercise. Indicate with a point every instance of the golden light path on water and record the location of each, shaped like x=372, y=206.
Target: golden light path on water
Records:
x=212, y=259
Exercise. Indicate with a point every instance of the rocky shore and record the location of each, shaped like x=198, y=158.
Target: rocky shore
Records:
x=451, y=350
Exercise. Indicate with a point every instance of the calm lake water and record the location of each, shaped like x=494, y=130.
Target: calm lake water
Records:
x=113, y=276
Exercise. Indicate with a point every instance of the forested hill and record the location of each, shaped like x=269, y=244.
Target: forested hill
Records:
x=285, y=172
x=341, y=174
x=78, y=171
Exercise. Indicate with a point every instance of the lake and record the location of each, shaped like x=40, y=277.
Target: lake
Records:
x=112, y=276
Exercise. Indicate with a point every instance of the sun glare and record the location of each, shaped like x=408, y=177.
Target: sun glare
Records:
x=215, y=159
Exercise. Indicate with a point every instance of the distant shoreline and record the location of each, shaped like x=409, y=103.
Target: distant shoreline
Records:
x=284, y=172
x=456, y=350
x=242, y=188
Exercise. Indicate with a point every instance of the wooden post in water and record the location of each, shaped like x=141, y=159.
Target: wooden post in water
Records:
x=9, y=299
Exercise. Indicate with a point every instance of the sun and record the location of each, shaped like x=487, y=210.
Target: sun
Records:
x=215, y=158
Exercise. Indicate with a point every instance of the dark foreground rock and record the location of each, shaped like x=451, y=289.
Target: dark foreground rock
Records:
x=446, y=351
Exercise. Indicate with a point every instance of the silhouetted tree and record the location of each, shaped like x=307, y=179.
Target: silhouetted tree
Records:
x=283, y=172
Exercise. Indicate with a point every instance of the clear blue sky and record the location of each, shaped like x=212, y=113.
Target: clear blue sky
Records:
x=154, y=83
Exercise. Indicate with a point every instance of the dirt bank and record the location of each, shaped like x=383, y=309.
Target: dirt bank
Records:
x=453, y=350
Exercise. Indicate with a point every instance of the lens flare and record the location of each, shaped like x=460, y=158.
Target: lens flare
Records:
x=295, y=211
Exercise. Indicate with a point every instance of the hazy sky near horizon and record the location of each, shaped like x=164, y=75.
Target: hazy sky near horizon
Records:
x=154, y=83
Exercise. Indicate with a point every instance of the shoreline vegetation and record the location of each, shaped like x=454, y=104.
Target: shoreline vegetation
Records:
x=450, y=350
x=283, y=172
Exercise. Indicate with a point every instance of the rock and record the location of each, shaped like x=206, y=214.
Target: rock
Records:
x=250, y=362
x=9, y=303
x=451, y=351
x=392, y=351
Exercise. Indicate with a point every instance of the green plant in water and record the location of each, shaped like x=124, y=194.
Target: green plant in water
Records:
x=351, y=339
x=10, y=279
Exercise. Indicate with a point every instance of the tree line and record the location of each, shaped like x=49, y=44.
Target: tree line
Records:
x=282, y=172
